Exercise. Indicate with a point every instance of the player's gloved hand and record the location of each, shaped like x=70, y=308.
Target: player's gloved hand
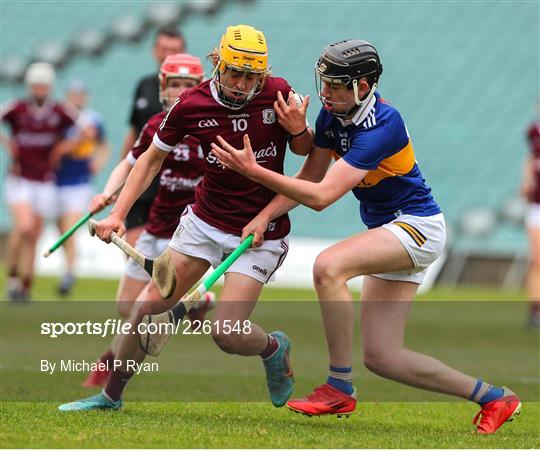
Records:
x=110, y=224
x=257, y=226
x=291, y=114
x=100, y=201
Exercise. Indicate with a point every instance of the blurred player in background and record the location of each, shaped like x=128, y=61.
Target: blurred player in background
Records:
x=239, y=98
x=146, y=103
x=38, y=124
x=181, y=172
x=375, y=159
x=531, y=192
x=83, y=154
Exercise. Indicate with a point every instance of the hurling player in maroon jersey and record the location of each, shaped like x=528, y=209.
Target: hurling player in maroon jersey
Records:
x=238, y=99
x=531, y=192
x=146, y=103
x=38, y=124
x=181, y=172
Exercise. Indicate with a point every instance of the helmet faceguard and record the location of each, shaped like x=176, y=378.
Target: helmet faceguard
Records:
x=180, y=65
x=242, y=51
x=345, y=63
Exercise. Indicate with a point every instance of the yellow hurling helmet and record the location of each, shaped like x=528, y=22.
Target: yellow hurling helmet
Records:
x=243, y=48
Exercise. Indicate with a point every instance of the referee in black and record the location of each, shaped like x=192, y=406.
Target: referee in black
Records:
x=168, y=41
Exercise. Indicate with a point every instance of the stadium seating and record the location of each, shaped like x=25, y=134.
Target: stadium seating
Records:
x=23, y=27
x=460, y=73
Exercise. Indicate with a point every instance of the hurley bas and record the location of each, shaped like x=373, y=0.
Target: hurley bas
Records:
x=86, y=366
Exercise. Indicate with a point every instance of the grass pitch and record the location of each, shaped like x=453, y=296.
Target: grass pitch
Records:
x=258, y=425
x=203, y=398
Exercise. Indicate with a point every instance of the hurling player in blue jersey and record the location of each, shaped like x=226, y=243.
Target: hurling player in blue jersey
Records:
x=81, y=155
x=375, y=159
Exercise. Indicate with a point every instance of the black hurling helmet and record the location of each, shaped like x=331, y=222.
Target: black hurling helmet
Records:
x=346, y=62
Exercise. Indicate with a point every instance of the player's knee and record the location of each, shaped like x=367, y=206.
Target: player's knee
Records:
x=150, y=302
x=137, y=313
x=325, y=271
x=226, y=342
x=140, y=309
x=125, y=300
x=379, y=362
x=124, y=308
x=28, y=232
x=151, y=293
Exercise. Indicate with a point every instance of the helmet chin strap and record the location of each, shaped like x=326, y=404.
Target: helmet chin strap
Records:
x=361, y=105
x=228, y=103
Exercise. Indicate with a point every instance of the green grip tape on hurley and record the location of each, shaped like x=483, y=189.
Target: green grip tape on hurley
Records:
x=68, y=233
x=220, y=270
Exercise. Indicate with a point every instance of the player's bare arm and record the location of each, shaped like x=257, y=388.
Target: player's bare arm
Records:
x=64, y=147
x=61, y=149
x=5, y=141
x=527, y=184
x=9, y=144
x=314, y=168
x=139, y=179
x=118, y=176
x=341, y=178
x=292, y=117
x=129, y=141
x=101, y=155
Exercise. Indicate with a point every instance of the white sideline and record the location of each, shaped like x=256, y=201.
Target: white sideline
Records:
x=99, y=260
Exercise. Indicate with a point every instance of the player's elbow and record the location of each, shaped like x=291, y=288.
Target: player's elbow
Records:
x=320, y=203
x=318, y=206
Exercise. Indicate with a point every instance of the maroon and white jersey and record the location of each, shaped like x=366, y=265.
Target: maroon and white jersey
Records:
x=225, y=199
x=36, y=130
x=533, y=138
x=180, y=173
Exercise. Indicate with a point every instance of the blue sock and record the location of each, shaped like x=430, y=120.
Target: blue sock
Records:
x=341, y=379
x=484, y=393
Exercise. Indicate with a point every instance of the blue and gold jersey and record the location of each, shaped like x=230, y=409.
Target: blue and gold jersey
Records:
x=75, y=167
x=379, y=141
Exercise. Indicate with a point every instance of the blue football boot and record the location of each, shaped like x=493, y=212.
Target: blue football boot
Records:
x=279, y=374
x=95, y=402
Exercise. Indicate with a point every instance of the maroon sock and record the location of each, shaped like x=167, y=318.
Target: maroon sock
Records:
x=271, y=347
x=13, y=272
x=535, y=308
x=117, y=381
x=107, y=358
